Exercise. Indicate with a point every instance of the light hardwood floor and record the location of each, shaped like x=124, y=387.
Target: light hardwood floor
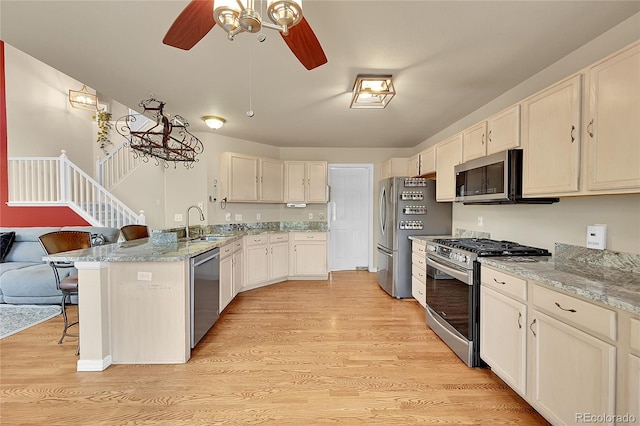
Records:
x=299, y=353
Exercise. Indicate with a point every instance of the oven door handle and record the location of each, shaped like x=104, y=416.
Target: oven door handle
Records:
x=462, y=276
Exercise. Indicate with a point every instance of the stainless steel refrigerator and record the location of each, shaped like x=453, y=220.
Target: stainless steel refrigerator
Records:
x=408, y=207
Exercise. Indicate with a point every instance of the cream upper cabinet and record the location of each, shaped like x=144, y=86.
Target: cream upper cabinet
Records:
x=613, y=123
x=240, y=173
x=448, y=155
x=413, y=166
x=394, y=167
x=503, y=130
x=551, y=139
x=305, y=181
x=475, y=141
x=428, y=161
x=271, y=183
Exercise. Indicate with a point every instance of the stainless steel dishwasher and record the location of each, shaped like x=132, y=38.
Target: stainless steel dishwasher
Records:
x=205, y=293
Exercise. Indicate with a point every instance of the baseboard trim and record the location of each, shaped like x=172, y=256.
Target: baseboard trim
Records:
x=94, y=365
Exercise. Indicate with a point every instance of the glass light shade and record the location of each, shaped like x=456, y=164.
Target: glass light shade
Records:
x=213, y=121
x=372, y=91
x=285, y=12
x=226, y=13
x=82, y=99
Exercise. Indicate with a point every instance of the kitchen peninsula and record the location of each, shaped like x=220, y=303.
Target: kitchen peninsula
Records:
x=134, y=296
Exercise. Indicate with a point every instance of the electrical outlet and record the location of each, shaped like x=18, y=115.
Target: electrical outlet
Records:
x=177, y=217
x=321, y=216
x=310, y=215
x=227, y=217
x=597, y=236
x=258, y=216
x=480, y=221
x=144, y=276
x=238, y=217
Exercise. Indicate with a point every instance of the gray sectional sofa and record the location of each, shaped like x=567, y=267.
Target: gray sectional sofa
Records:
x=24, y=277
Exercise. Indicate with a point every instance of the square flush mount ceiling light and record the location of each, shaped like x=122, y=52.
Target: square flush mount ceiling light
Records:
x=372, y=91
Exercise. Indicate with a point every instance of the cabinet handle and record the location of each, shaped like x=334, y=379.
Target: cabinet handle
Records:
x=266, y=251
x=573, y=129
x=295, y=248
x=564, y=309
x=519, y=319
x=490, y=135
x=532, y=330
x=483, y=139
x=590, y=128
x=499, y=282
x=271, y=250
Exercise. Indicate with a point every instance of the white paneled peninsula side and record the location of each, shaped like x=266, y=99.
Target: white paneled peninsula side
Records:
x=134, y=297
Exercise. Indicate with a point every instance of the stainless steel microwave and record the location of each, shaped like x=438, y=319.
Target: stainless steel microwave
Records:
x=493, y=179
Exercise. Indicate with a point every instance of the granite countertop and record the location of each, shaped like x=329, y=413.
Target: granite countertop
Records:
x=603, y=284
x=146, y=250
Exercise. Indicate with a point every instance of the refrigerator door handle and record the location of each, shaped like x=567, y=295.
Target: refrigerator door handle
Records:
x=382, y=205
x=385, y=252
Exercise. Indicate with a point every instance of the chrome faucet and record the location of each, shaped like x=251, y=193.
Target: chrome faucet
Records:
x=188, y=210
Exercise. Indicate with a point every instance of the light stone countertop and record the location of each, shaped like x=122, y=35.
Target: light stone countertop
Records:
x=606, y=285
x=144, y=250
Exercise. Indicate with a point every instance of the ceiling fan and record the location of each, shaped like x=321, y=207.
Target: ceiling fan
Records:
x=237, y=16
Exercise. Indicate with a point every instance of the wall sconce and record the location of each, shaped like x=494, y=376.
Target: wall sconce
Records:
x=372, y=91
x=213, y=121
x=82, y=99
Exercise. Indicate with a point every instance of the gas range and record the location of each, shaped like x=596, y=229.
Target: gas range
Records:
x=462, y=252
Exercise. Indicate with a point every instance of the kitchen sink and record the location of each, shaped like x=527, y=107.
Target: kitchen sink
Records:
x=209, y=238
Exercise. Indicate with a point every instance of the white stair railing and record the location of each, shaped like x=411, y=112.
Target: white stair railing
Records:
x=38, y=181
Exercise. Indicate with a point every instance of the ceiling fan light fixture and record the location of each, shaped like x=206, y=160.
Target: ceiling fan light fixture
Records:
x=213, y=121
x=226, y=14
x=286, y=13
x=82, y=99
x=372, y=91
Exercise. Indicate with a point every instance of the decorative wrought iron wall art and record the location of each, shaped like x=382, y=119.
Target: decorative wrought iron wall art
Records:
x=167, y=140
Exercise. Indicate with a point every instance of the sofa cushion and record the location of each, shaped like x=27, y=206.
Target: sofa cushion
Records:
x=6, y=241
x=39, y=282
x=27, y=247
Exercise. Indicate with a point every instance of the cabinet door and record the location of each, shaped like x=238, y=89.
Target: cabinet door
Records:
x=413, y=168
x=226, y=281
x=316, y=182
x=573, y=372
x=613, y=130
x=474, y=142
x=243, y=178
x=503, y=337
x=257, y=264
x=238, y=271
x=428, y=161
x=551, y=140
x=278, y=260
x=503, y=130
x=271, y=180
x=448, y=155
x=295, y=181
x=633, y=386
x=310, y=258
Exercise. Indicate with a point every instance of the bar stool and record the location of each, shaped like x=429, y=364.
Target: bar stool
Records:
x=133, y=232
x=58, y=242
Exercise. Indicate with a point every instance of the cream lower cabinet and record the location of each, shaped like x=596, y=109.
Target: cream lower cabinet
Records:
x=278, y=256
x=266, y=259
x=238, y=266
x=226, y=275
x=573, y=373
x=308, y=255
x=503, y=319
x=419, y=272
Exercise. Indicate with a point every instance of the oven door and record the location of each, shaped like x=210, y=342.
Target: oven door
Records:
x=450, y=311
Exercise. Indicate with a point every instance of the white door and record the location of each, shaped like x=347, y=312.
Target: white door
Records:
x=350, y=217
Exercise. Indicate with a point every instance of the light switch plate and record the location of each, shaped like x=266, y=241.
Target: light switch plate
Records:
x=238, y=217
x=597, y=237
x=227, y=217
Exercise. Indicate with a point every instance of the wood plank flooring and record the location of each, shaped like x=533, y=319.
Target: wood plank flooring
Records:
x=297, y=353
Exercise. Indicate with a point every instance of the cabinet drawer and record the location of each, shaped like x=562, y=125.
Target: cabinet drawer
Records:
x=310, y=236
x=419, y=274
x=225, y=251
x=419, y=291
x=587, y=316
x=505, y=283
x=253, y=240
x=237, y=245
x=419, y=261
x=634, y=340
x=419, y=247
x=278, y=238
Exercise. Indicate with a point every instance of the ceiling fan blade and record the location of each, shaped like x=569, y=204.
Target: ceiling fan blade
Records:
x=193, y=23
x=304, y=44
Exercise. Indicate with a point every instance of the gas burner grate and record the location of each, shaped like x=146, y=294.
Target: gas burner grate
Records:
x=487, y=247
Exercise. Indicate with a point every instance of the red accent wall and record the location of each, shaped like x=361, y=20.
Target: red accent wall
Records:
x=24, y=216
